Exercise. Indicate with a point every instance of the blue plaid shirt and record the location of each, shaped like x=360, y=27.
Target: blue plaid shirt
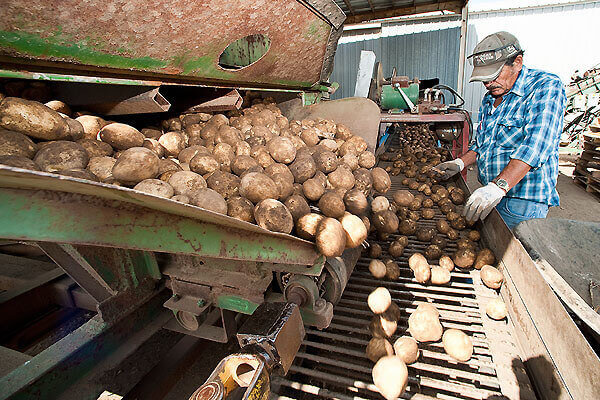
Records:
x=526, y=126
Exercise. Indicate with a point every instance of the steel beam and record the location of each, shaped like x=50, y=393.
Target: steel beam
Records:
x=454, y=6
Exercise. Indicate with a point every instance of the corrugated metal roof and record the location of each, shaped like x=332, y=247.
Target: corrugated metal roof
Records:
x=366, y=10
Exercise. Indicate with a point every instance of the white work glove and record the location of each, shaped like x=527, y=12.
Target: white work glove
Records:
x=450, y=168
x=482, y=201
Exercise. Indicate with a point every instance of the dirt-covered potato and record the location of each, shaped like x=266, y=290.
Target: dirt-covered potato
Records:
x=155, y=187
x=256, y=187
x=313, y=189
x=385, y=221
x=459, y=223
x=204, y=164
x=241, y=164
x=403, y=198
x=366, y=159
x=102, y=167
x=439, y=275
x=224, y=154
x=496, y=309
x=424, y=324
x=425, y=234
x=390, y=376
x=379, y=300
x=285, y=186
x=303, y=168
x=186, y=183
x=416, y=204
x=209, y=200
x=121, y=136
x=167, y=164
x=350, y=161
x=465, y=243
x=61, y=155
x=16, y=144
x=407, y=227
x=457, y=344
x=474, y=235
x=332, y=205
x=240, y=208
x=297, y=205
x=326, y=161
x=363, y=180
x=32, y=119
x=173, y=142
x=58, y=106
x=446, y=263
x=464, y=258
x=375, y=250
x=282, y=149
x=330, y=237
x=356, y=202
x=433, y=252
x=427, y=203
x=79, y=173
x=396, y=249
x=152, y=144
x=96, y=148
x=273, y=215
x=381, y=327
x=439, y=241
x=378, y=347
x=356, y=232
x=457, y=197
x=136, y=164
x=306, y=225
x=422, y=273
x=75, y=129
x=392, y=270
x=224, y=183
x=428, y=213
x=492, y=277
x=379, y=203
x=342, y=177
x=407, y=349
x=381, y=180
x=484, y=257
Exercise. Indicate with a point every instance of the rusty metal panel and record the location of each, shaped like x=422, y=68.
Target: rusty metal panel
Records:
x=177, y=39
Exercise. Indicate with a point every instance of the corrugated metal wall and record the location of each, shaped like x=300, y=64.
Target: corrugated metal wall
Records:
x=425, y=55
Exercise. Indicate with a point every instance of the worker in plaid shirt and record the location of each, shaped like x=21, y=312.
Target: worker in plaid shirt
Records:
x=516, y=142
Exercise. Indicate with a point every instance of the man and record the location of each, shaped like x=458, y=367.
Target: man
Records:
x=516, y=142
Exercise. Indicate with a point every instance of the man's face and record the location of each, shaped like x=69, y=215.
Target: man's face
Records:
x=507, y=78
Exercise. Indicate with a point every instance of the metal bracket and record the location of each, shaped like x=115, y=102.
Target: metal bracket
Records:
x=206, y=328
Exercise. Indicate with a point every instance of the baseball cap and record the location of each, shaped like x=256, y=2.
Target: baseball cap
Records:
x=490, y=55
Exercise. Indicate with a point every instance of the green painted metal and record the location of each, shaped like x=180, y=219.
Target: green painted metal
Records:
x=28, y=215
x=244, y=51
x=44, y=76
x=392, y=99
x=236, y=303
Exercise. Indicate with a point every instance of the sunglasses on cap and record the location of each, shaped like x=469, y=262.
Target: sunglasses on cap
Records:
x=490, y=57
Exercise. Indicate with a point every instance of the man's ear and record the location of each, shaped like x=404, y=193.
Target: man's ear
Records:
x=518, y=61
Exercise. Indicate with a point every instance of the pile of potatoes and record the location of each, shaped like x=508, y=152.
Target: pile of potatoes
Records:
x=312, y=178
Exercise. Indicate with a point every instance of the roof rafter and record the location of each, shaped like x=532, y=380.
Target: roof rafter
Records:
x=454, y=6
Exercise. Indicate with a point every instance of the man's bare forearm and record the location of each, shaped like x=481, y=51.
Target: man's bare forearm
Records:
x=469, y=158
x=514, y=171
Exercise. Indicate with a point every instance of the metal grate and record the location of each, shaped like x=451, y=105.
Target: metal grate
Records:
x=332, y=362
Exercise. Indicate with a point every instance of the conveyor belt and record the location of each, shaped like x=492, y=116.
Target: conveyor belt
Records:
x=332, y=362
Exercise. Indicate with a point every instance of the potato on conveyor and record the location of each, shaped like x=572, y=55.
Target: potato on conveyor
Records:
x=121, y=136
x=385, y=221
x=381, y=180
x=407, y=227
x=377, y=268
x=186, y=182
x=240, y=208
x=313, y=189
x=392, y=313
x=75, y=129
x=439, y=275
x=425, y=234
x=379, y=300
x=439, y=241
x=16, y=144
x=61, y=155
x=392, y=270
x=330, y=237
x=363, y=180
x=442, y=226
x=424, y=324
x=492, y=277
x=155, y=187
x=342, y=178
x=282, y=149
x=381, y=327
x=33, y=119
x=326, y=161
x=332, y=205
x=102, y=167
x=356, y=232
x=403, y=198
x=446, y=263
x=173, y=143
x=204, y=164
x=273, y=215
x=79, y=173
x=484, y=257
x=303, y=168
x=375, y=250
x=452, y=234
x=390, y=376
x=379, y=203
x=297, y=205
x=416, y=260
x=224, y=183
x=407, y=349
x=428, y=213
x=19, y=162
x=379, y=347
x=396, y=249
x=496, y=309
x=457, y=344
x=306, y=225
x=474, y=236
x=257, y=186
x=96, y=148
x=422, y=273
x=464, y=258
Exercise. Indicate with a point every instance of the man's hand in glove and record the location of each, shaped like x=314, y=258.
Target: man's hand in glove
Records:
x=450, y=168
x=482, y=201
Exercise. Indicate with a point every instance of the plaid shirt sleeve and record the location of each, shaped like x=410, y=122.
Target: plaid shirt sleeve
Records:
x=543, y=121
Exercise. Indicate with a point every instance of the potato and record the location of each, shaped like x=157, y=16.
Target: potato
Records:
x=385, y=221
x=256, y=187
x=496, y=309
x=282, y=150
x=379, y=203
x=306, y=225
x=484, y=257
x=396, y=249
x=303, y=168
x=150, y=133
x=427, y=203
x=228, y=134
x=96, y=148
x=452, y=234
x=407, y=349
x=381, y=180
x=241, y=164
x=59, y=106
x=415, y=205
x=224, y=183
x=121, y=136
x=313, y=189
x=172, y=124
x=224, y=154
x=491, y=277
x=439, y=241
x=425, y=234
x=433, y=252
x=393, y=312
x=186, y=183
x=457, y=344
x=209, y=200
x=464, y=258
x=102, y=167
x=407, y=227
x=356, y=232
x=61, y=155
x=377, y=348
x=379, y=300
x=416, y=260
x=403, y=198
x=465, y=244
x=274, y=216
x=278, y=168
x=422, y=273
x=75, y=129
x=459, y=223
x=375, y=250
x=16, y=144
x=474, y=235
x=240, y=208
x=204, y=164
x=326, y=161
x=356, y=202
x=152, y=144
x=390, y=376
x=350, y=161
x=414, y=215
x=446, y=263
x=439, y=275
x=18, y=162
x=342, y=178
x=363, y=180
x=332, y=205
x=428, y=213
x=167, y=164
x=297, y=205
x=381, y=327
x=173, y=142
x=424, y=324
x=79, y=173
x=330, y=237
x=457, y=197
x=392, y=271
x=366, y=159
x=155, y=187
x=32, y=119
